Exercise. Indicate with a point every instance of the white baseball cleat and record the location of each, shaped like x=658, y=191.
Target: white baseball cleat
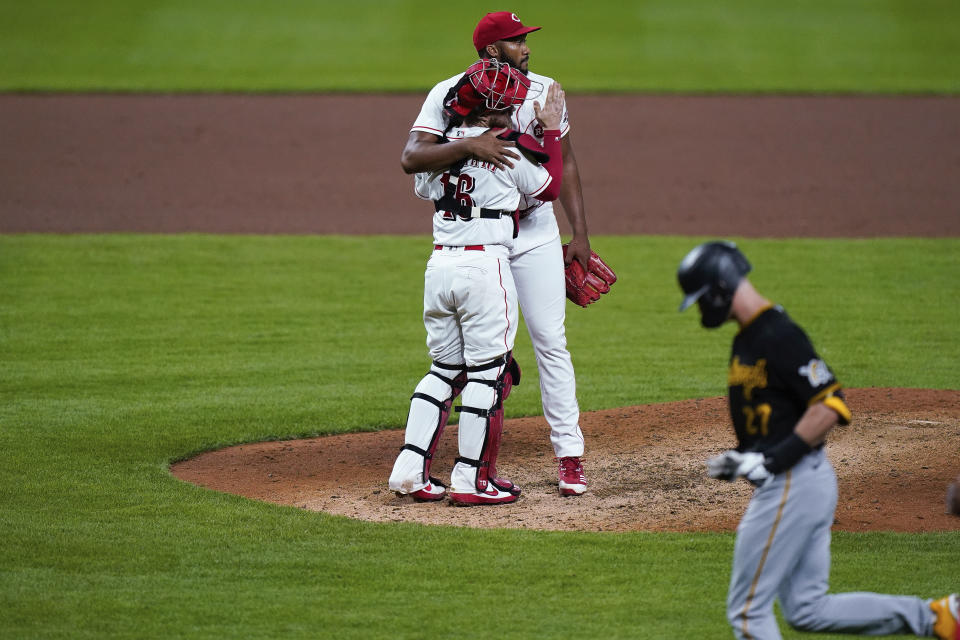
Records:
x=572, y=481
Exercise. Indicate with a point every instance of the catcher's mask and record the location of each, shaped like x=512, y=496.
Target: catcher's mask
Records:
x=709, y=276
x=501, y=86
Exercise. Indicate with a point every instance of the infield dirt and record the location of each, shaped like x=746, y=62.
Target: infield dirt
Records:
x=719, y=166
x=775, y=166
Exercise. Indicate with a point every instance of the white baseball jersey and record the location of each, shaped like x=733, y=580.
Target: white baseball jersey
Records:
x=480, y=185
x=536, y=268
x=539, y=225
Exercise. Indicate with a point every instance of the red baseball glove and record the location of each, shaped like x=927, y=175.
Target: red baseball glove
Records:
x=585, y=286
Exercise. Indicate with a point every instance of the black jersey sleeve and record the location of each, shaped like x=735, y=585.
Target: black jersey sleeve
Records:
x=806, y=374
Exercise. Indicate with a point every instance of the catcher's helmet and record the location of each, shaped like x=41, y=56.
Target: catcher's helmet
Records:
x=709, y=276
x=494, y=85
x=501, y=85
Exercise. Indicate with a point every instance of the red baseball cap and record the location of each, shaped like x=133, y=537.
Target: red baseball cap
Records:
x=500, y=25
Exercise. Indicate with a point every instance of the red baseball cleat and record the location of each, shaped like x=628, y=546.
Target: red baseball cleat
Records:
x=572, y=480
x=491, y=496
x=434, y=491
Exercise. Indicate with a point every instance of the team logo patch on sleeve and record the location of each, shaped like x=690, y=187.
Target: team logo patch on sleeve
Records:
x=816, y=372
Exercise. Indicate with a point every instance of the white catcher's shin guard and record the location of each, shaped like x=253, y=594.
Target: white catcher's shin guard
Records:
x=472, y=481
x=429, y=409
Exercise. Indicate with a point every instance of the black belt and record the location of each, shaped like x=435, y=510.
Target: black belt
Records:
x=466, y=212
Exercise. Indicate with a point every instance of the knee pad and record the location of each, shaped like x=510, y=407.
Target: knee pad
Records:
x=511, y=376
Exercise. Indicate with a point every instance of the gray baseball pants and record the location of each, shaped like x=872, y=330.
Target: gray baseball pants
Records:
x=782, y=552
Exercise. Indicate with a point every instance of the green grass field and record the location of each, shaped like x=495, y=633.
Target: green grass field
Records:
x=892, y=46
x=122, y=353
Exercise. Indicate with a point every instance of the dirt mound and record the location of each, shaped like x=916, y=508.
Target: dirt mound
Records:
x=644, y=465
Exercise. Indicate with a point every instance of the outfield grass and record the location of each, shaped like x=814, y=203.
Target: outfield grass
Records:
x=891, y=46
x=123, y=352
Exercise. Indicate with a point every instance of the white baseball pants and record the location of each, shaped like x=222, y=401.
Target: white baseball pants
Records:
x=542, y=293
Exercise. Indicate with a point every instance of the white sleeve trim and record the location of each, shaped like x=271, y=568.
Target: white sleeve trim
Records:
x=425, y=129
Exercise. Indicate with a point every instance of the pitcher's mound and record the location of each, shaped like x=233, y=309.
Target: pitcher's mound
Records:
x=644, y=466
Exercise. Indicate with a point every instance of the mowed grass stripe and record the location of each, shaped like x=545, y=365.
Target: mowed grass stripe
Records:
x=373, y=46
x=124, y=352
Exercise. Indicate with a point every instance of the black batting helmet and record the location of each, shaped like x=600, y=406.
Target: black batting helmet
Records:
x=709, y=276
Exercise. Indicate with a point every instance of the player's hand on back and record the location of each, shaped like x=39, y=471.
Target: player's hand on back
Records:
x=487, y=147
x=550, y=116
